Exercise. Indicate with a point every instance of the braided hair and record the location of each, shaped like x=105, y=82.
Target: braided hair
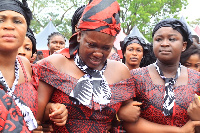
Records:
x=54, y=34
x=75, y=18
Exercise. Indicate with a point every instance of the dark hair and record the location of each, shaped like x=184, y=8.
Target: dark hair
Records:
x=31, y=36
x=54, y=34
x=193, y=49
x=75, y=18
x=39, y=52
x=196, y=38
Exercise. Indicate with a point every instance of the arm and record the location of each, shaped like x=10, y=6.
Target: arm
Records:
x=144, y=126
x=194, y=111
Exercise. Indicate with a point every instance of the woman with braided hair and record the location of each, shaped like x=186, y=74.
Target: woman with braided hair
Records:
x=56, y=41
x=92, y=87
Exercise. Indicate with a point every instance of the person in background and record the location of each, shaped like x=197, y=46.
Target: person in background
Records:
x=92, y=87
x=16, y=77
x=29, y=45
x=39, y=56
x=191, y=57
x=167, y=89
x=133, y=50
x=195, y=39
x=56, y=41
x=33, y=58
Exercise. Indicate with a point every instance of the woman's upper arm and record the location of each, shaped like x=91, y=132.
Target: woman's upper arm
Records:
x=44, y=94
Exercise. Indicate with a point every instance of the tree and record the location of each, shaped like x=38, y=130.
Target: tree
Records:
x=58, y=11
x=146, y=13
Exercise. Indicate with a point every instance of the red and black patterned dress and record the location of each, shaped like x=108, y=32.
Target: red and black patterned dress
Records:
x=27, y=91
x=80, y=117
x=152, y=97
x=11, y=119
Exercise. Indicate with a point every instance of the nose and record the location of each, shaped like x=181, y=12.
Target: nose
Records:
x=8, y=25
x=21, y=51
x=134, y=52
x=165, y=43
x=98, y=54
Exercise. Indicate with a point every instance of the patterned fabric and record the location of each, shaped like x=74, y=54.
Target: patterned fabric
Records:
x=101, y=16
x=26, y=93
x=27, y=113
x=92, y=86
x=169, y=92
x=81, y=118
x=115, y=56
x=152, y=97
x=11, y=119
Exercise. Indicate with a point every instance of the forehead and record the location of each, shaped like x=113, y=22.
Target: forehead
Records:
x=11, y=13
x=98, y=37
x=136, y=45
x=166, y=31
x=57, y=37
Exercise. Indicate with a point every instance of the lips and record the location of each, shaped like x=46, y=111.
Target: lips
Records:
x=133, y=59
x=9, y=37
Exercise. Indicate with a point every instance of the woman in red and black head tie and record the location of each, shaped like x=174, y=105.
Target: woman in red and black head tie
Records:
x=92, y=87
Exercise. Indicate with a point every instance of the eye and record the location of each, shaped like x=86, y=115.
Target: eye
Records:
x=91, y=45
x=28, y=49
x=158, y=39
x=139, y=50
x=106, y=48
x=130, y=49
x=172, y=39
x=54, y=42
x=62, y=43
x=1, y=20
x=17, y=21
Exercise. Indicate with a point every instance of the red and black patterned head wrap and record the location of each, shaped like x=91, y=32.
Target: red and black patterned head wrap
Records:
x=101, y=16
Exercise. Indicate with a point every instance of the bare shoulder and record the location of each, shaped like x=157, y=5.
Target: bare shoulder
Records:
x=118, y=70
x=26, y=63
x=59, y=61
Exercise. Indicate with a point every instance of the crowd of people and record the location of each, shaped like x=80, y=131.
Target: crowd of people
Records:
x=88, y=88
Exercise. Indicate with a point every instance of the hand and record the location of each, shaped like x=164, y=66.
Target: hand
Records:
x=189, y=127
x=58, y=113
x=130, y=112
x=194, y=109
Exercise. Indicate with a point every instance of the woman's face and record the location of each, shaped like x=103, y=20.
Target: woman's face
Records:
x=94, y=48
x=133, y=55
x=26, y=48
x=13, y=29
x=56, y=43
x=193, y=62
x=168, y=45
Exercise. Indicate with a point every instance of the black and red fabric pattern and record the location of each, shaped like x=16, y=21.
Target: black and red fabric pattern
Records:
x=81, y=118
x=152, y=97
x=11, y=119
x=101, y=16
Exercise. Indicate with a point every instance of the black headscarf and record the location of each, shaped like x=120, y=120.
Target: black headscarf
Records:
x=17, y=6
x=178, y=25
x=31, y=36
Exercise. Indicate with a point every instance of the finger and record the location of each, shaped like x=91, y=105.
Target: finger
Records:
x=135, y=103
x=196, y=123
x=196, y=99
x=60, y=124
x=59, y=113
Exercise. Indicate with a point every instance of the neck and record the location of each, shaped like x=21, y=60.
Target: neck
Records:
x=169, y=71
x=7, y=60
x=130, y=67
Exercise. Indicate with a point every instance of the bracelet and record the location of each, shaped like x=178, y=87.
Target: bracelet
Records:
x=118, y=118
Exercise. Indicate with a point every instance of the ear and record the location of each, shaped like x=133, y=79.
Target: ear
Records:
x=79, y=37
x=184, y=46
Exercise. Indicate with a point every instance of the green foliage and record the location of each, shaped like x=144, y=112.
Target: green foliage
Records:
x=142, y=13
x=146, y=13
